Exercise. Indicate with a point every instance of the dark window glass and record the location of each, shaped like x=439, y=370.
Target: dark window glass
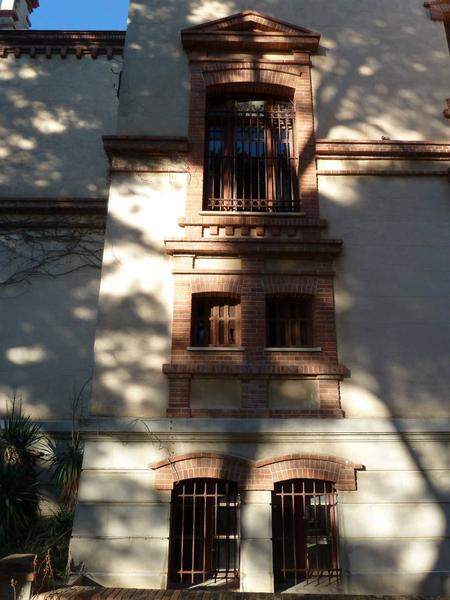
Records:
x=250, y=162
x=289, y=321
x=204, y=537
x=215, y=321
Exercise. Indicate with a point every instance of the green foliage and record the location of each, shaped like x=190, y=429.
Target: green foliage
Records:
x=24, y=450
x=22, y=445
x=66, y=465
x=19, y=503
x=21, y=441
x=49, y=539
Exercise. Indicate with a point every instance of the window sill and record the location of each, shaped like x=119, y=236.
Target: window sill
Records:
x=238, y=213
x=215, y=349
x=300, y=349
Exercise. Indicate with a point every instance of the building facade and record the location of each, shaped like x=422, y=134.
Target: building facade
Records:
x=264, y=352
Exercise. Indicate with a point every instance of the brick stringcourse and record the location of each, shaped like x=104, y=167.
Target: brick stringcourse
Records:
x=259, y=475
x=49, y=43
x=439, y=10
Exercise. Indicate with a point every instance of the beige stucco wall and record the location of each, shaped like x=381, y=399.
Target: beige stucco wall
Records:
x=382, y=69
x=53, y=113
x=47, y=326
x=393, y=529
x=133, y=338
x=392, y=292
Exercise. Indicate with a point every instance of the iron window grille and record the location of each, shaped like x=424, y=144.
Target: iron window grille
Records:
x=215, y=321
x=204, y=533
x=305, y=533
x=289, y=321
x=250, y=162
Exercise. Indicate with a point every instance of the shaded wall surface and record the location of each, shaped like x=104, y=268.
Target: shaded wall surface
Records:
x=53, y=113
x=382, y=69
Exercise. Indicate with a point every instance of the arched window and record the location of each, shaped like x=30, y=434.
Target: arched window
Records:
x=204, y=536
x=304, y=532
x=250, y=162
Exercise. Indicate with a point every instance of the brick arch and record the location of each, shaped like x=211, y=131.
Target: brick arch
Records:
x=312, y=466
x=251, y=78
x=200, y=464
x=287, y=286
x=260, y=475
x=216, y=284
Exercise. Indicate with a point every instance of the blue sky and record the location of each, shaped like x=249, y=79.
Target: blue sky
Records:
x=80, y=14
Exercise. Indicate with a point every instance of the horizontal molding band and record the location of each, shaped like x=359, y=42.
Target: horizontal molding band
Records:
x=134, y=145
x=89, y=213
x=310, y=371
x=387, y=149
x=384, y=172
x=239, y=246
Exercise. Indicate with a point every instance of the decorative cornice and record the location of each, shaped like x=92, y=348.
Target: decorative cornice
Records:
x=146, y=154
x=89, y=213
x=61, y=43
x=250, y=30
x=439, y=10
x=32, y=4
x=9, y=14
x=123, y=145
x=383, y=149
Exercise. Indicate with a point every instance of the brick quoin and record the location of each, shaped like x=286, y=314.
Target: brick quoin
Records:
x=260, y=475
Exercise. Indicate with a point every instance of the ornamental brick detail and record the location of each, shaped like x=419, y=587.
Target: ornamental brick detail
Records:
x=439, y=10
x=260, y=475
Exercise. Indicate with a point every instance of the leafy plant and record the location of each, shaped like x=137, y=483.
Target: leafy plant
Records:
x=66, y=465
x=19, y=503
x=21, y=441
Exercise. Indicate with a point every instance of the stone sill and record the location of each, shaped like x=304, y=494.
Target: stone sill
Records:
x=299, y=349
x=215, y=349
x=246, y=213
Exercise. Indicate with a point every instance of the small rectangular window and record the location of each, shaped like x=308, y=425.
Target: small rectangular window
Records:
x=215, y=321
x=289, y=321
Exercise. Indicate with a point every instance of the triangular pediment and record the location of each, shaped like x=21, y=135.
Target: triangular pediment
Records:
x=250, y=29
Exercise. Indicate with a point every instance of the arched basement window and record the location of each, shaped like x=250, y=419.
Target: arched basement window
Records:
x=250, y=155
x=305, y=542
x=204, y=536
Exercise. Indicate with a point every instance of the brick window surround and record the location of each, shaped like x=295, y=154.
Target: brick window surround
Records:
x=230, y=58
x=256, y=475
x=219, y=72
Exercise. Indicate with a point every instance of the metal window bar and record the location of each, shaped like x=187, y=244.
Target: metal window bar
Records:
x=305, y=539
x=251, y=164
x=204, y=540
